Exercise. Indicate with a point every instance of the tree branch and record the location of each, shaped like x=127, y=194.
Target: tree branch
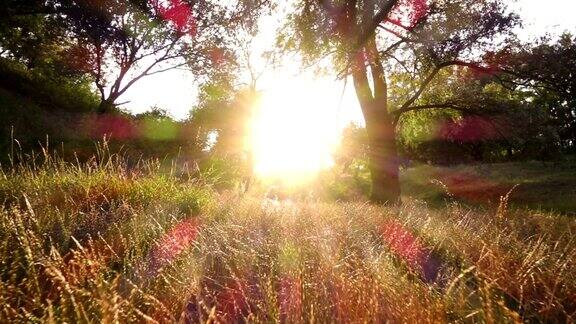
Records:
x=401, y=37
x=367, y=32
x=428, y=106
x=371, y=28
x=167, y=69
x=149, y=68
x=446, y=105
x=391, y=47
x=422, y=87
x=431, y=77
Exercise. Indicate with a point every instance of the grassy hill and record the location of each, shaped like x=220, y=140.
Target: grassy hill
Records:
x=103, y=242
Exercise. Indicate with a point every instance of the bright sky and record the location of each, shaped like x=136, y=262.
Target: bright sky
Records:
x=176, y=90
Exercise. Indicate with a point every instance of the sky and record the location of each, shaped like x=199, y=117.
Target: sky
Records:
x=176, y=92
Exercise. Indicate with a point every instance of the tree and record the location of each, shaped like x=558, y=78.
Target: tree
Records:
x=119, y=42
x=353, y=147
x=499, y=122
x=29, y=34
x=33, y=41
x=545, y=71
x=372, y=40
x=225, y=109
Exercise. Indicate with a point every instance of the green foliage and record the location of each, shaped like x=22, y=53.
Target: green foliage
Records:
x=543, y=71
x=30, y=35
x=50, y=90
x=160, y=130
x=349, y=178
x=36, y=105
x=225, y=171
x=223, y=112
x=348, y=185
x=484, y=121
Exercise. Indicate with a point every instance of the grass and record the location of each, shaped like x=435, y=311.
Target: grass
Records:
x=537, y=185
x=102, y=241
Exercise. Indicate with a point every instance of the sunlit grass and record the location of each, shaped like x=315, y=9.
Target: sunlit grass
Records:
x=104, y=242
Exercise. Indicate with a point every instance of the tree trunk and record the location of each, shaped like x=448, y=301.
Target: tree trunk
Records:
x=105, y=106
x=477, y=153
x=383, y=160
x=373, y=99
x=380, y=128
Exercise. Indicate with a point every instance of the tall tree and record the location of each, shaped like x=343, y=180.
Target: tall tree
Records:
x=371, y=40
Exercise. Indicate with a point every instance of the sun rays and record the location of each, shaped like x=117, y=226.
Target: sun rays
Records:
x=294, y=131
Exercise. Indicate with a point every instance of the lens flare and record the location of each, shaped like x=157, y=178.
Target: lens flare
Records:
x=294, y=132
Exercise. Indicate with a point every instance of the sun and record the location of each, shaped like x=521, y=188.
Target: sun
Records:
x=294, y=131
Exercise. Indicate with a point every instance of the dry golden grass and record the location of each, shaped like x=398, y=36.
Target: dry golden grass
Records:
x=101, y=242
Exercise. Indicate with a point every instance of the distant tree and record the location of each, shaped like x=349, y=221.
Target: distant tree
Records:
x=225, y=110
x=155, y=113
x=544, y=70
x=493, y=121
x=214, y=100
x=373, y=40
x=353, y=146
x=228, y=99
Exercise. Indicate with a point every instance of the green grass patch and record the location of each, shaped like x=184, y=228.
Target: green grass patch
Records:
x=547, y=186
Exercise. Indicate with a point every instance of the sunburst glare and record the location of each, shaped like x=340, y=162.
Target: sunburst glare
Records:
x=294, y=131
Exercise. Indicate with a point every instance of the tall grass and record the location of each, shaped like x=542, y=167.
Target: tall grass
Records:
x=104, y=241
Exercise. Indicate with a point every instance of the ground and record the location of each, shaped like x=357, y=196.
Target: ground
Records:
x=99, y=242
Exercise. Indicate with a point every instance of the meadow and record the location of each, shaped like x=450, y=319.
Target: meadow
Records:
x=102, y=241
x=350, y=161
